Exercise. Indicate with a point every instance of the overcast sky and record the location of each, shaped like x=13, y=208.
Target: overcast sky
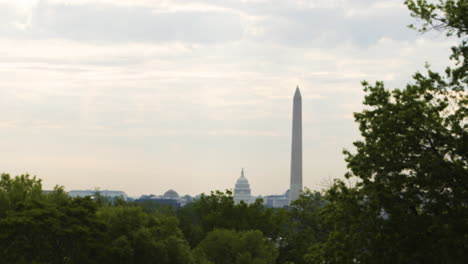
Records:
x=145, y=95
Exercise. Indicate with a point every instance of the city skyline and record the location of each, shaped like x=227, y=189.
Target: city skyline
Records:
x=146, y=96
x=242, y=191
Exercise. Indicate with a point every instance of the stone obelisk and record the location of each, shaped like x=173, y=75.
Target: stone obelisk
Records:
x=296, y=148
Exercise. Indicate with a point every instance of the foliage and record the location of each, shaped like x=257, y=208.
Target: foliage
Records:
x=14, y=192
x=446, y=15
x=38, y=227
x=218, y=210
x=136, y=236
x=45, y=228
x=351, y=223
x=304, y=228
x=222, y=246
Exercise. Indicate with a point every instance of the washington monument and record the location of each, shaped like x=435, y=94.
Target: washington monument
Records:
x=296, y=148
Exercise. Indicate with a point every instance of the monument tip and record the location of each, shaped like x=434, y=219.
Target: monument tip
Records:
x=298, y=92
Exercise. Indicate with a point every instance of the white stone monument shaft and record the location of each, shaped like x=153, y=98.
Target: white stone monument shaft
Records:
x=296, y=148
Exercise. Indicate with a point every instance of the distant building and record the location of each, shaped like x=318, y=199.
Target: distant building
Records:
x=184, y=200
x=171, y=194
x=277, y=201
x=170, y=198
x=242, y=190
x=105, y=193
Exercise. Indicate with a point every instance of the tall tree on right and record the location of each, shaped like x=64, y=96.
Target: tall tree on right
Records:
x=410, y=203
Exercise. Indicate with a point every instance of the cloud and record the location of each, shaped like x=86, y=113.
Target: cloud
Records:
x=109, y=23
x=164, y=83
x=291, y=23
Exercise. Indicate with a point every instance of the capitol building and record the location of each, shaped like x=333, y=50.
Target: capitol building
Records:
x=242, y=190
x=243, y=193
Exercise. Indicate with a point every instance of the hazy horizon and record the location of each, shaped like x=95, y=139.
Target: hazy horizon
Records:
x=145, y=96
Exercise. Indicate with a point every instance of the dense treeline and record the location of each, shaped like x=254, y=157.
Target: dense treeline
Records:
x=52, y=227
x=409, y=203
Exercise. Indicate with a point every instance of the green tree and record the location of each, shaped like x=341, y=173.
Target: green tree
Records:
x=352, y=224
x=45, y=228
x=410, y=202
x=304, y=228
x=14, y=192
x=218, y=210
x=190, y=225
x=222, y=246
x=442, y=15
x=137, y=236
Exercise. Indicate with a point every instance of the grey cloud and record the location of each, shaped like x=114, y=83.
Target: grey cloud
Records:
x=329, y=27
x=108, y=23
x=325, y=25
x=279, y=22
x=9, y=18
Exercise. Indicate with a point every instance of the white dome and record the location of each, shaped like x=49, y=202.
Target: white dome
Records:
x=242, y=190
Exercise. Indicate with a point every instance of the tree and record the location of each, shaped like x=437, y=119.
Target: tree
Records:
x=45, y=228
x=222, y=246
x=410, y=202
x=137, y=236
x=304, y=227
x=38, y=227
x=442, y=15
x=16, y=191
x=218, y=210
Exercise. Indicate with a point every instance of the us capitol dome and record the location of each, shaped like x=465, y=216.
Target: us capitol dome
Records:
x=242, y=190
